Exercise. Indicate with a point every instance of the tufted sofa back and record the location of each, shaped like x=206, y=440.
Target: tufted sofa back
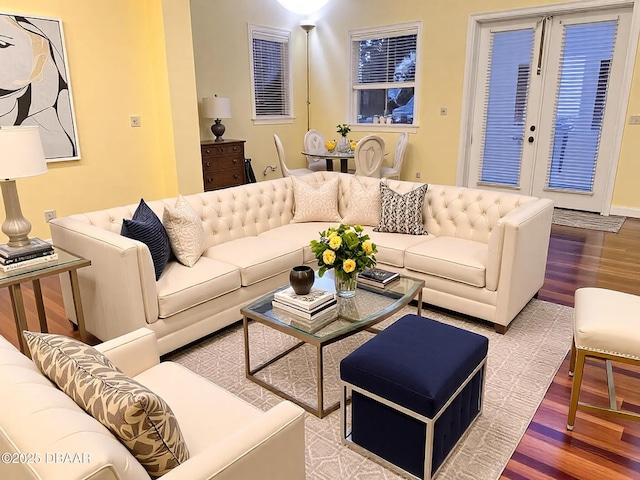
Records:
x=254, y=208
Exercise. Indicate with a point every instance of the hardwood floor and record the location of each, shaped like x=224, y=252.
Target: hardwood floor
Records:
x=600, y=446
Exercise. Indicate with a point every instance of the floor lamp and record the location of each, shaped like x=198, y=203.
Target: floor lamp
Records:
x=307, y=26
x=21, y=155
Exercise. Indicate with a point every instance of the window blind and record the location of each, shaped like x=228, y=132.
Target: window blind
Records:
x=506, y=95
x=271, y=74
x=585, y=66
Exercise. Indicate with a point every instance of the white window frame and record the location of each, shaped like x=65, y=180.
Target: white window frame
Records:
x=280, y=36
x=396, y=30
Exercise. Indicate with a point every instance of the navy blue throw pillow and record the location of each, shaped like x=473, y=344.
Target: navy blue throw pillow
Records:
x=146, y=227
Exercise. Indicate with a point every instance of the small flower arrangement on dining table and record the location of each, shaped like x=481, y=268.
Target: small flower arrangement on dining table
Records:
x=347, y=250
x=343, y=144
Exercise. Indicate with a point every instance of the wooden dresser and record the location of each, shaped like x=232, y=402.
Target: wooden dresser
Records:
x=222, y=164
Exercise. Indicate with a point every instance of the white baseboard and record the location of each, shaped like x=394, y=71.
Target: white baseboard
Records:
x=626, y=211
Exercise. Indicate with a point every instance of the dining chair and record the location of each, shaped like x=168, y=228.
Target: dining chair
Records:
x=314, y=142
x=368, y=156
x=398, y=158
x=286, y=172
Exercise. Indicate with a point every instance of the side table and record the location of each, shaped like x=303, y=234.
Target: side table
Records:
x=66, y=262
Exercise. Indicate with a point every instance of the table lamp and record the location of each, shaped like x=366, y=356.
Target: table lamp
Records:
x=21, y=155
x=216, y=107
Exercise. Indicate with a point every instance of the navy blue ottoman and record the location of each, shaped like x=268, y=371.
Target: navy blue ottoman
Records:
x=415, y=388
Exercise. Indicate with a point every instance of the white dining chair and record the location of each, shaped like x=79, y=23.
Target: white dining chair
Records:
x=286, y=172
x=368, y=156
x=314, y=142
x=398, y=158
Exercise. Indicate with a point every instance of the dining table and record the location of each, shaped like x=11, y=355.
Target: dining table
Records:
x=331, y=156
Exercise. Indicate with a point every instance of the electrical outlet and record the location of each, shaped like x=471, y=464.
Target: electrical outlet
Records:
x=49, y=215
x=418, y=174
x=634, y=120
x=135, y=120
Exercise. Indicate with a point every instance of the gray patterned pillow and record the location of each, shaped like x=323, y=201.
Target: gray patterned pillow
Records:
x=139, y=418
x=401, y=213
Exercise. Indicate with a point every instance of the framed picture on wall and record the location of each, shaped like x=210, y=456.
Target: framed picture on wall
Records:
x=34, y=82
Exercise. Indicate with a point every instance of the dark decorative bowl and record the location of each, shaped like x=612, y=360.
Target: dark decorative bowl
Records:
x=301, y=279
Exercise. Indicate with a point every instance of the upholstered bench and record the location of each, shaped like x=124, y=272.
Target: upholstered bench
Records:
x=415, y=389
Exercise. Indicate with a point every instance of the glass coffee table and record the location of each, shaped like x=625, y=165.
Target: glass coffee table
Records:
x=370, y=306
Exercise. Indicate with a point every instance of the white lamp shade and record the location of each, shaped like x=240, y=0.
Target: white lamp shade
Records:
x=303, y=7
x=216, y=107
x=21, y=153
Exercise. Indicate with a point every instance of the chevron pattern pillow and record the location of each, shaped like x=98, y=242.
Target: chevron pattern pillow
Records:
x=401, y=213
x=139, y=418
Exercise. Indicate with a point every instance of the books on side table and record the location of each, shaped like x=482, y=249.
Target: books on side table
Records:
x=38, y=251
x=376, y=277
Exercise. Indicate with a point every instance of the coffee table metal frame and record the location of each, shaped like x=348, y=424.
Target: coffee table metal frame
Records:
x=402, y=292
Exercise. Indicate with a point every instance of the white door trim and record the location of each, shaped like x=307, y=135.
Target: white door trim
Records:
x=471, y=66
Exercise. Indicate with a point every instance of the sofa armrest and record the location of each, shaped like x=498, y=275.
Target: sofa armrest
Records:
x=524, y=257
x=271, y=448
x=134, y=352
x=118, y=290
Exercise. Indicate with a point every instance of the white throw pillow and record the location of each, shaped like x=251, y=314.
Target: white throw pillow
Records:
x=316, y=203
x=185, y=231
x=364, y=204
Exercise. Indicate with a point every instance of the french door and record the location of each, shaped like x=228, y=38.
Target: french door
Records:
x=546, y=105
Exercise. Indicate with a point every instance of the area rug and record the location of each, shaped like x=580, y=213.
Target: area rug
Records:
x=520, y=367
x=588, y=220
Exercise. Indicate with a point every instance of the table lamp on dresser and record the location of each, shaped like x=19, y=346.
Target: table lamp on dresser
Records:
x=21, y=155
x=217, y=108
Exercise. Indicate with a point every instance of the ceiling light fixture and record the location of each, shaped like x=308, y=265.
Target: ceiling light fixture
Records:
x=303, y=7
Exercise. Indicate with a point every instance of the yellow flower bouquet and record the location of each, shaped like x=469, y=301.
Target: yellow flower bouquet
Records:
x=346, y=250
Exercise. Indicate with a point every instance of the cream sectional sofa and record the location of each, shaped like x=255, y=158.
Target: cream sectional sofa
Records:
x=485, y=256
x=45, y=435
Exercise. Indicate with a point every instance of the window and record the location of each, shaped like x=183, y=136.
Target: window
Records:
x=270, y=75
x=384, y=83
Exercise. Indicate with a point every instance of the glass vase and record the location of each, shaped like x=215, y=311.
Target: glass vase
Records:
x=343, y=145
x=346, y=284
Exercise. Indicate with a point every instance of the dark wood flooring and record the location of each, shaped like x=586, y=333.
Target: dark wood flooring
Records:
x=600, y=447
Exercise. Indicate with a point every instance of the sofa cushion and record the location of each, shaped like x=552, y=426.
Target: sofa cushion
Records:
x=392, y=246
x=449, y=257
x=181, y=287
x=300, y=234
x=316, y=203
x=146, y=227
x=185, y=231
x=142, y=421
x=364, y=204
x=257, y=258
x=401, y=213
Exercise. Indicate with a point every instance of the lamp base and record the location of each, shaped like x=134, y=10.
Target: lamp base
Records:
x=218, y=130
x=15, y=226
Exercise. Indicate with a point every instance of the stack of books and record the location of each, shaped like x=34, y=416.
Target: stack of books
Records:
x=308, y=310
x=376, y=277
x=38, y=251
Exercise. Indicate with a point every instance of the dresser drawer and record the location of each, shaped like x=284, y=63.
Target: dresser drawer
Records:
x=222, y=163
x=216, y=150
x=223, y=178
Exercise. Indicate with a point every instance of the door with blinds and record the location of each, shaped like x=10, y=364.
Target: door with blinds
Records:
x=546, y=104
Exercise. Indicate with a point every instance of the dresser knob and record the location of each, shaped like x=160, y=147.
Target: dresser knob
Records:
x=236, y=176
x=207, y=151
x=209, y=180
x=208, y=164
x=235, y=160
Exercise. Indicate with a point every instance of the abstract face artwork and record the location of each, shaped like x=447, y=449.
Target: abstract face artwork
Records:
x=34, y=83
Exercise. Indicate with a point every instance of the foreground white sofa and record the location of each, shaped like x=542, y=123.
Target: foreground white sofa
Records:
x=485, y=256
x=45, y=435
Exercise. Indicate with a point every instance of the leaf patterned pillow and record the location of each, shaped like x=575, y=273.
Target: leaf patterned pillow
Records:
x=185, y=231
x=316, y=203
x=401, y=213
x=139, y=418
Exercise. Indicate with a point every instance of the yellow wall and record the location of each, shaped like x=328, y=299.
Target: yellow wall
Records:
x=118, y=66
x=433, y=150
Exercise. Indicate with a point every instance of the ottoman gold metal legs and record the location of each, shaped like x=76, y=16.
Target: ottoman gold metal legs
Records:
x=606, y=326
